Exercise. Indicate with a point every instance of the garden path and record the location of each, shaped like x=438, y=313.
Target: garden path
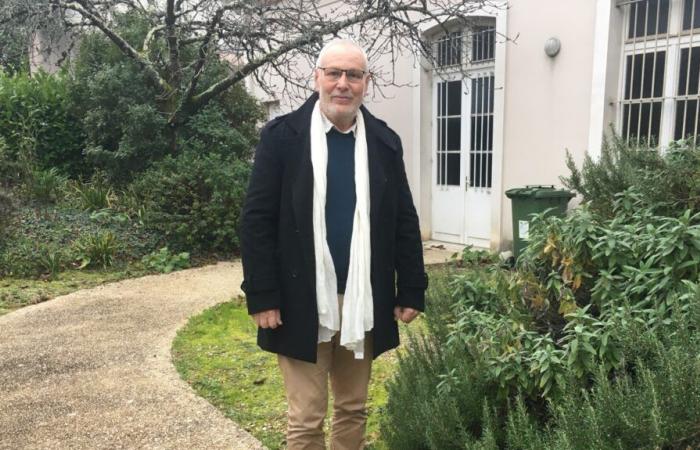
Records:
x=93, y=369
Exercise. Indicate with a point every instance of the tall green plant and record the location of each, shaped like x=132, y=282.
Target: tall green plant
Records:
x=38, y=125
x=668, y=179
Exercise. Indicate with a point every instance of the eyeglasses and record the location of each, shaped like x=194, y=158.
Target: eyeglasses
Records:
x=353, y=75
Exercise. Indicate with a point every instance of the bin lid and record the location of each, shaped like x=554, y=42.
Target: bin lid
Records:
x=539, y=191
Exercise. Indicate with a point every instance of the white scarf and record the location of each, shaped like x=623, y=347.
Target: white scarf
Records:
x=357, y=314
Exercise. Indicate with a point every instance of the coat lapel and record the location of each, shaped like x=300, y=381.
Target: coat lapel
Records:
x=377, y=178
x=379, y=144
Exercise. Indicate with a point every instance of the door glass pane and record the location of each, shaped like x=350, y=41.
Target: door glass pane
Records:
x=454, y=98
x=454, y=131
x=481, y=139
x=453, y=169
x=449, y=132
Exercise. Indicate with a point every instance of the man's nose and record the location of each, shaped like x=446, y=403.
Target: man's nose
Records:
x=343, y=81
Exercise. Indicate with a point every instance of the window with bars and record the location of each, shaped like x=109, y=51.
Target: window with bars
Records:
x=449, y=50
x=483, y=43
x=660, y=94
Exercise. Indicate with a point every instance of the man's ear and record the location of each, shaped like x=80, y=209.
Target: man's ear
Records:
x=316, y=71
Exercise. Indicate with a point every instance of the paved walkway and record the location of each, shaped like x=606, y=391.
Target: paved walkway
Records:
x=92, y=369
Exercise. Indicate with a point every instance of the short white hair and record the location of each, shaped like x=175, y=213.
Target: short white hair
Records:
x=345, y=42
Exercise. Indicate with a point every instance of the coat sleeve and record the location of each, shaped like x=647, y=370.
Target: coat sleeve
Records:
x=258, y=228
x=412, y=281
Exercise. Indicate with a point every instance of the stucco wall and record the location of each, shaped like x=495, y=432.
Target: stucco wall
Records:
x=547, y=100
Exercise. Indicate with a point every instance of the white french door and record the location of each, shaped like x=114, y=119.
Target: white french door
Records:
x=462, y=158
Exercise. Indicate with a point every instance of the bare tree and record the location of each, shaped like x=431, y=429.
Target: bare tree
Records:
x=264, y=39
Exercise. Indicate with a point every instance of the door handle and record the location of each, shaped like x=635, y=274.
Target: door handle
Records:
x=466, y=183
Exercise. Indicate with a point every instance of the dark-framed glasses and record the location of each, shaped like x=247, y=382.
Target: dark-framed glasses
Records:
x=334, y=74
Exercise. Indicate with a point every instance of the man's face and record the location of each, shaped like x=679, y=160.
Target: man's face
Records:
x=341, y=99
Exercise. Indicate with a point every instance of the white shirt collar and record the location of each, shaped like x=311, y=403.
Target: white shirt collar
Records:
x=328, y=125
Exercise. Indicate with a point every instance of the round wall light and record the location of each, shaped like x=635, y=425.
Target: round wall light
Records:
x=552, y=47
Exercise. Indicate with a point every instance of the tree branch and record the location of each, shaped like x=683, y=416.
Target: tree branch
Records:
x=81, y=8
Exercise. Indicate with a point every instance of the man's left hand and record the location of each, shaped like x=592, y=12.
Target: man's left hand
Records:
x=405, y=315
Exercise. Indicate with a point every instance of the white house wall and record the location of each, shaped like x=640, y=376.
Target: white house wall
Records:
x=547, y=100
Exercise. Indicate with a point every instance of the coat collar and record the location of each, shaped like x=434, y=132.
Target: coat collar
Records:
x=378, y=136
x=300, y=119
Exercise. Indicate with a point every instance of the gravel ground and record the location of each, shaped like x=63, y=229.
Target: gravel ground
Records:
x=92, y=369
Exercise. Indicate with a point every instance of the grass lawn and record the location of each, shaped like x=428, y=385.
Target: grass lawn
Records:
x=18, y=292
x=216, y=353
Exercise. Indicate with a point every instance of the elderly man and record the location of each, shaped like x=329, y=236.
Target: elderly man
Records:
x=331, y=249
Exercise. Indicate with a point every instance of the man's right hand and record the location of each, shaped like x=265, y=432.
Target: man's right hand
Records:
x=268, y=319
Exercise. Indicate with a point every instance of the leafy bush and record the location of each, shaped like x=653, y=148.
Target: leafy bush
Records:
x=10, y=169
x=195, y=200
x=669, y=180
x=96, y=250
x=7, y=211
x=52, y=261
x=37, y=124
x=577, y=334
x=94, y=195
x=471, y=256
x=165, y=262
x=125, y=118
x=46, y=186
x=34, y=232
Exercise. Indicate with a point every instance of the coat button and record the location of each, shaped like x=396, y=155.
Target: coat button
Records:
x=296, y=230
x=294, y=274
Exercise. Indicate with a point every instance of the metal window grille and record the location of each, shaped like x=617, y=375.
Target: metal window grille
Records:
x=483, y=40
x=660, y=90
x=449, y=50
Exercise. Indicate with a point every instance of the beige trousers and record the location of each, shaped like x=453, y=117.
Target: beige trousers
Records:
x=307, y=397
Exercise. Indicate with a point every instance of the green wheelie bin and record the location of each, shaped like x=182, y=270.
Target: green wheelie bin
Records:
x=534, y=200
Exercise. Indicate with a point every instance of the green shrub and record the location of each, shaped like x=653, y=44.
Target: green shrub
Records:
x=539, y=357
x=8, y=209
x=165, y=262
x=96, y=250
x=46, y=186
x=194, y=201
x=472, y=257
x=94, y=195
x=657, y=406
x=668, y=180
x=10, y=169
x=36, y=231
x=52, y=261
x=38, y=126
x=125, y=118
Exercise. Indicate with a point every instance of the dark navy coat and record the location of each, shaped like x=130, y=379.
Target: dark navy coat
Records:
x=276, y=234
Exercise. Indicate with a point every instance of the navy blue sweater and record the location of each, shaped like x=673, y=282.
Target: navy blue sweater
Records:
x=340, y=200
